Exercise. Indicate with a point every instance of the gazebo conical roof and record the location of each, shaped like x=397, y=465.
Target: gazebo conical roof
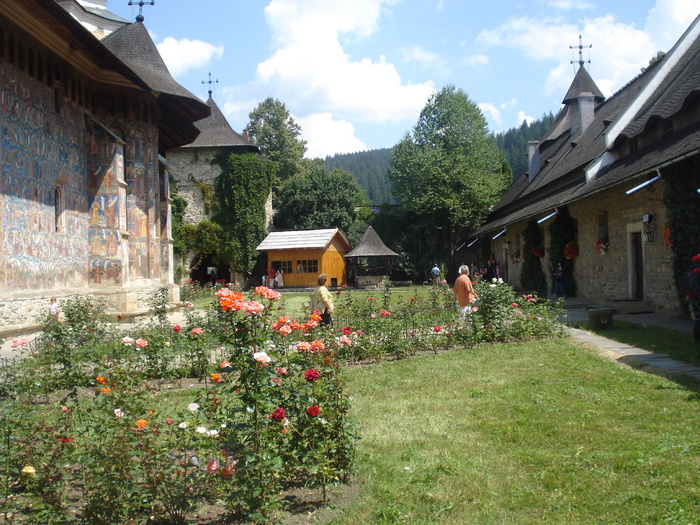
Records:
x=371, y=246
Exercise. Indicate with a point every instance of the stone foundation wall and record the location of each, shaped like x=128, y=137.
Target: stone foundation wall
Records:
x=22, y=314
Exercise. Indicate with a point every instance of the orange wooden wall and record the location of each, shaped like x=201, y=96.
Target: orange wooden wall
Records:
x=330, y=262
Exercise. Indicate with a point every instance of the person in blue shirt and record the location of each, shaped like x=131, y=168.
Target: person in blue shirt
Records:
x=436, y=274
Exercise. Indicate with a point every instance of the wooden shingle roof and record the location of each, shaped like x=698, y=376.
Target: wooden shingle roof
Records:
x=371, y=246
x=215, y=131
x=565, y=158
x=301, y=239
x=179, y=108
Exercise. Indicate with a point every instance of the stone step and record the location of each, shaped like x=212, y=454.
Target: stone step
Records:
x=631, y=306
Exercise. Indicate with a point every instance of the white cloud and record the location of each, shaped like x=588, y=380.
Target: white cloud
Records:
x=491, y=112
x=508, y=103
x=183, y=55
x=311, y=72
x=668, y=19
x=475, y=60
x=426, y=59
x=569, y=4
x=619, y=50
x=326, y=136
x=522, y=117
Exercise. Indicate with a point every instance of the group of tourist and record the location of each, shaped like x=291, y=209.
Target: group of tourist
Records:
x=273, y=278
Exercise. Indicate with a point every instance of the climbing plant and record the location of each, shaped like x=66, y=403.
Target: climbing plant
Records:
x=241, y=192
x=563, y=247
x=532, y=277
x=683, y=203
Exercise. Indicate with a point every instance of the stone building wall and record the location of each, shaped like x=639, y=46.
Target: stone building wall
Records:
x=191, y=167
x=607, y=277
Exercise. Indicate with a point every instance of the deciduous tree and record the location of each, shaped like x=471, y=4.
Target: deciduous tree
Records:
x=447, y=173
x=318, y=198
x=275, y=132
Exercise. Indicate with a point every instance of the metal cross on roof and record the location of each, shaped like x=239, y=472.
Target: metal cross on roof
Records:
x=210, y=82
x=141, y=3
x=580, y=51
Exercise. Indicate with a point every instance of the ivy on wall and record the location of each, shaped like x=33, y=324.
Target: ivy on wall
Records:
x=563, y=231
x=532, y=277
x=682, y=200
x=238, y=224
x=241, y=192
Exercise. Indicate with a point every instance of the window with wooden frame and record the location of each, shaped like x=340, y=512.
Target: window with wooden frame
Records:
x=307, y=266
x=285, y=266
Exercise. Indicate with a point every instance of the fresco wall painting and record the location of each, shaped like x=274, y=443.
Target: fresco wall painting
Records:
x=40, y=151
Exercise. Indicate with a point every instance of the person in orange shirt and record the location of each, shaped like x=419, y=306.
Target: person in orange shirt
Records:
x=464, y=294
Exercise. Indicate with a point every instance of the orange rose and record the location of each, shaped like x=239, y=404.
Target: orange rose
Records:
x=141, y=424
x=216, y=378
x=100, y=380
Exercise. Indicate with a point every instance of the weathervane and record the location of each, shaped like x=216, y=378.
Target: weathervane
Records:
x=141, y=3
x=580, y=51
x=210, y=83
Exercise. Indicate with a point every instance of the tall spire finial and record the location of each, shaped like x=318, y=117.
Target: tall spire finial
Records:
x=141, y=3
x=210, y=82
x=580, y=52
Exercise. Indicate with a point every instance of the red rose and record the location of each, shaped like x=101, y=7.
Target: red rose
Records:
x=437, y=328
x=311, y=375
x=279, y=414
x=213, y=466
x=696, y=259
x=313, y=411
x=177, y=328
x=227, y=471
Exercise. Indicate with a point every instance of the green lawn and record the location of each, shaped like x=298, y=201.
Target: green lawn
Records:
x=541, y=432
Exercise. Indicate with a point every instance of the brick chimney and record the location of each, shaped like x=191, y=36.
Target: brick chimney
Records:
x=245, y=134
x=533, y=159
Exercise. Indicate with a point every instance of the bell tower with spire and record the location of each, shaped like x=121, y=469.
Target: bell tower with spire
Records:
x=583, y=95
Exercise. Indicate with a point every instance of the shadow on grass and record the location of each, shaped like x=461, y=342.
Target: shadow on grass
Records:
x=674, y=344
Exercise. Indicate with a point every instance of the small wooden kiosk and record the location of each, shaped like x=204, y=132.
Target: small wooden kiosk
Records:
x=303, y=254
x=375, y=255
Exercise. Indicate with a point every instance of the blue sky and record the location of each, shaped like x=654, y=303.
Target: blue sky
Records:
x=355, y=74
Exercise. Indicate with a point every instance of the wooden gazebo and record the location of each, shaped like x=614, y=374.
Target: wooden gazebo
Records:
x=372, y=248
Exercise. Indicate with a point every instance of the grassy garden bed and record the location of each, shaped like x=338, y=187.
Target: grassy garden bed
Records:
x=226, y=416
x=526, y=433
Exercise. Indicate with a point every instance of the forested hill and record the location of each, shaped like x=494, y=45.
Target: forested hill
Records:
x=369, y=169
x=513, y=143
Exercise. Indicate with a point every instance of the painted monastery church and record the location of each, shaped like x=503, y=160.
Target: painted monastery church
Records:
x=88, y=112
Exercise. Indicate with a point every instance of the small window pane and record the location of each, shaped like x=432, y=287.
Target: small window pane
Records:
x=307, y=266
